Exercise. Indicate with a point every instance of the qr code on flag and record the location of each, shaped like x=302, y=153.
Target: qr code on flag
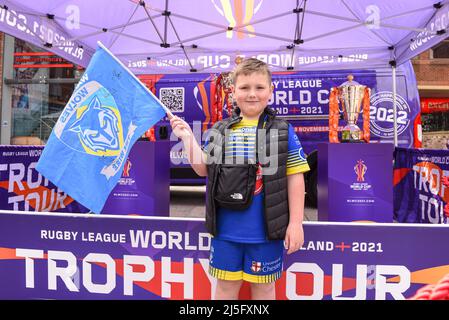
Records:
x=172, y=98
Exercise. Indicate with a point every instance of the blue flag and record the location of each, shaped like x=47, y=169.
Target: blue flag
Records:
x=88, y=147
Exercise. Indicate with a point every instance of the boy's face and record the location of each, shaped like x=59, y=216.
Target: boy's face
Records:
x=252, y=92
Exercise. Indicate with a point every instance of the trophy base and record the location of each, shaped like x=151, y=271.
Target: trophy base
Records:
x=348, y=136
x=352, y=141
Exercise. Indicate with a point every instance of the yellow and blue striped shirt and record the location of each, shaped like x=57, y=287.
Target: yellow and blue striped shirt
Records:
x=241, y=142
x=248, y=226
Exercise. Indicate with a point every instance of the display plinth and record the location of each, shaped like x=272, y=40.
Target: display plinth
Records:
x=355, y=182
x=144, y=187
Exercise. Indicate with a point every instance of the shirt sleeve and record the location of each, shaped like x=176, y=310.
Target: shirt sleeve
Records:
x=296, y=161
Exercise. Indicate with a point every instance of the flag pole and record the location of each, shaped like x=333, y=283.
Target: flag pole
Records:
x=169, y=113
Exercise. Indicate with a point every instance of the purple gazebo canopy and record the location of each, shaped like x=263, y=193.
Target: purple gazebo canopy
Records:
x=180, y=36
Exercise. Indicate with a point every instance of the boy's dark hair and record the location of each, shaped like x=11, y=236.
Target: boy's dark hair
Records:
x=249, y=66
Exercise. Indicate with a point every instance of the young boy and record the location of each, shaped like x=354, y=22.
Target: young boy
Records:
x=248, y=244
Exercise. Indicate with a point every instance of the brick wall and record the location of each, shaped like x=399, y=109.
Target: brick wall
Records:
x=431, y=71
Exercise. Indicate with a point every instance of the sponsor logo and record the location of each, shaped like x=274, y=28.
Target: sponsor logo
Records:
x=240, y=15
x=236, y=196
x=259, y=180
x=360, y=170
x=127, y=168
x=256, y=267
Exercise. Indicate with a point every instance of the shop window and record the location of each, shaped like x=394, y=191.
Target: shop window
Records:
x=436, y=121
x=441, y=51
x=41, y=87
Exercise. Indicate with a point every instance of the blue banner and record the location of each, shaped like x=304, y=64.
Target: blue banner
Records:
x=420, y=191
x=88, y=147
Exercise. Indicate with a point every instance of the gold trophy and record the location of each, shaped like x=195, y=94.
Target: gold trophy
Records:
x=351, y=96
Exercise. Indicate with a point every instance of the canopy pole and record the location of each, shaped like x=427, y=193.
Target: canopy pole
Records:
x=395, y=129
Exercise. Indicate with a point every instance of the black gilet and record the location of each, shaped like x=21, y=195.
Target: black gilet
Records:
x=276, y=212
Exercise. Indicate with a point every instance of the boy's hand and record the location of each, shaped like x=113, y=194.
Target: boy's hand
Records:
x=294, y=237
x=180, y=128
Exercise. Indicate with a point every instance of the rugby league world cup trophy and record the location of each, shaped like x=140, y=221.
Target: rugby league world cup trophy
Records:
x=352, y=96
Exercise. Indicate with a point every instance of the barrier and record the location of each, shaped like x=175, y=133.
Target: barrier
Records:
x=144, y=179
x=79, y=256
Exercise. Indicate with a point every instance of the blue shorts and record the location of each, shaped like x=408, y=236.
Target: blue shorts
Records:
x=252, y=262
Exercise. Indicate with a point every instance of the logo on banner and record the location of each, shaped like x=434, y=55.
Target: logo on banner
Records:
x=360, y=170
x=430, y=187
x=256, y=267
x=200, y=92
x=99, y=128
x=382, y=117
x=126, y=179
x=241, y=15
x=126, y=168
x=373, y=20
x=91, y=122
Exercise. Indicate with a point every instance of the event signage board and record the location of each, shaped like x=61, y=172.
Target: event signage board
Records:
x=73, y=256
x=355, y=182
x=420, y=195
x=23, y=188
x=144, y=187
x=145, y=178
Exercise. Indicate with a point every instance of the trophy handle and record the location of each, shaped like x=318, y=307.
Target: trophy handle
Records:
x=366, y=120
x=334, y=116
x=340, y=100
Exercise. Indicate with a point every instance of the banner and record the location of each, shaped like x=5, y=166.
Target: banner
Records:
x=433, y=32
x=419, y=192
x=302, y=98
x=33, y=28
x=88, y=147
x=73, y=256
x=143, y=188
x=23, y=188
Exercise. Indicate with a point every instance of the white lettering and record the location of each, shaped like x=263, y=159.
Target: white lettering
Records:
x=110, y=273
